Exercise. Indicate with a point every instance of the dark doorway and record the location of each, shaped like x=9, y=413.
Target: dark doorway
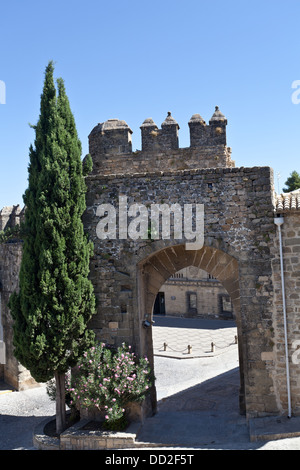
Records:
x=159, y=304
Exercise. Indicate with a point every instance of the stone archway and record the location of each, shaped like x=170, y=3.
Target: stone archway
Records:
x=159, y=266
x=127, y=271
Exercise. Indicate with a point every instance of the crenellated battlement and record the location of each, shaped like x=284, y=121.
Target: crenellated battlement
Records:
x=110, y=146
x=10, y=216
x=111, y=137
x=212, y=134
x=166, y=138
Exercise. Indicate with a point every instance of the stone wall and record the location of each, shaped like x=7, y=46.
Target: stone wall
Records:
x=13, y=373
x=239, y=211
x=193, y=293
x=291, y=274
x=195, y=299
x=166, y=160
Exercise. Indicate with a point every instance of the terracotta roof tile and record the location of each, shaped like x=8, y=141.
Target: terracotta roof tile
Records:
x=288, y=201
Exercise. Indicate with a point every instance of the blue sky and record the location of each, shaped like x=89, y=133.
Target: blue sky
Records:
x=132, y=60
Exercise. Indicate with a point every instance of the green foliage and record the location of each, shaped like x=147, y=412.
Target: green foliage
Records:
x=292, y=183
x=108, y=379
x=87, y=165
x=11, y=233
x=56, y=298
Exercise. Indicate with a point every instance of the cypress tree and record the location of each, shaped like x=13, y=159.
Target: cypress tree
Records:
x=55, y=299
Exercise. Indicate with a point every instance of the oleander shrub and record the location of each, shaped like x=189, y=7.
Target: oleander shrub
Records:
x=108, y=379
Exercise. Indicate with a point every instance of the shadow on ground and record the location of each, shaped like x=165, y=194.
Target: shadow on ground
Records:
x=18, y=432
x=193, y=323
x=204, y=416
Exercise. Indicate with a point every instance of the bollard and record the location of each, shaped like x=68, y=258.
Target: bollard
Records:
x=236, y=339
x=212, y=347
x=189, y=349
x=165, y=346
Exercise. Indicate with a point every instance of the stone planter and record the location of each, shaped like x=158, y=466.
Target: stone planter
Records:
x=134, y=413
x=77, y=438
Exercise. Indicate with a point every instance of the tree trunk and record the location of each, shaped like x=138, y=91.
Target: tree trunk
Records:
x=60, y=402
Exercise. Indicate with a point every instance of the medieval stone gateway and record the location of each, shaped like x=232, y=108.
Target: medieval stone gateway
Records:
x=241, y=249
x=128, y=273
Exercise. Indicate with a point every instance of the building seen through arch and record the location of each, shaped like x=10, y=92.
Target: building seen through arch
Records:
x=193, y=293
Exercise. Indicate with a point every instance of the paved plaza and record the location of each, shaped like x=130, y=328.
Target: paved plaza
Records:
x=185, y=338
x=197, y=396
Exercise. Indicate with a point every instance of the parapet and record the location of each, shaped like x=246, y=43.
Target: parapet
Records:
x=160, y=139
x=111, y=137
x=212, y=134
x=110, y=145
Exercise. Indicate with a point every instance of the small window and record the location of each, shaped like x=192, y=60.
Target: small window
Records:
x=226, y=304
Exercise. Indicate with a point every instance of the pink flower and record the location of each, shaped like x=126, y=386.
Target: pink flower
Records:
x=106, y=416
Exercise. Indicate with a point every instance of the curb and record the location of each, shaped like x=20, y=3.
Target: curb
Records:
x=274, y=428
x=43, y=442
x=75, y=438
